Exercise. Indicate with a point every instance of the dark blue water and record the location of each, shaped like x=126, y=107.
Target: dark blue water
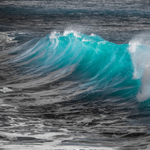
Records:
x=74, y=75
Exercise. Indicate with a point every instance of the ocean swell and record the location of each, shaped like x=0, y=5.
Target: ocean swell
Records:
x=94, y=65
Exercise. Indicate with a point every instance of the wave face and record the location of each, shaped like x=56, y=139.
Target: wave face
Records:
x=97, y=68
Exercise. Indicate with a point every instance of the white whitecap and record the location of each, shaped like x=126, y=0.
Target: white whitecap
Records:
x=139, y=49
x=5, y=89
x=67, y=32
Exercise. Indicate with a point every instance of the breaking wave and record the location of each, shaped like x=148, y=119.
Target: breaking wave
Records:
x=93, y=66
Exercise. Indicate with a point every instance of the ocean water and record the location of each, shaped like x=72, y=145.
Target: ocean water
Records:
x=75, y=75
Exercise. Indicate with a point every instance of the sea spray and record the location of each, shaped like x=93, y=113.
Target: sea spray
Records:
x=139, y=48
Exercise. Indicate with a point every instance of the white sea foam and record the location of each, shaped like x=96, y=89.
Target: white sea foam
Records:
x=139, y=49
x=85, y=40
x=5, y=89
x=76, y=34
x=55, y=143
x=92, y=34
x=53, y=35
x=6, y=38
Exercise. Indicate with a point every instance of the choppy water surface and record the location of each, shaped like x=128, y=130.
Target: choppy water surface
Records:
x=74, y=75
